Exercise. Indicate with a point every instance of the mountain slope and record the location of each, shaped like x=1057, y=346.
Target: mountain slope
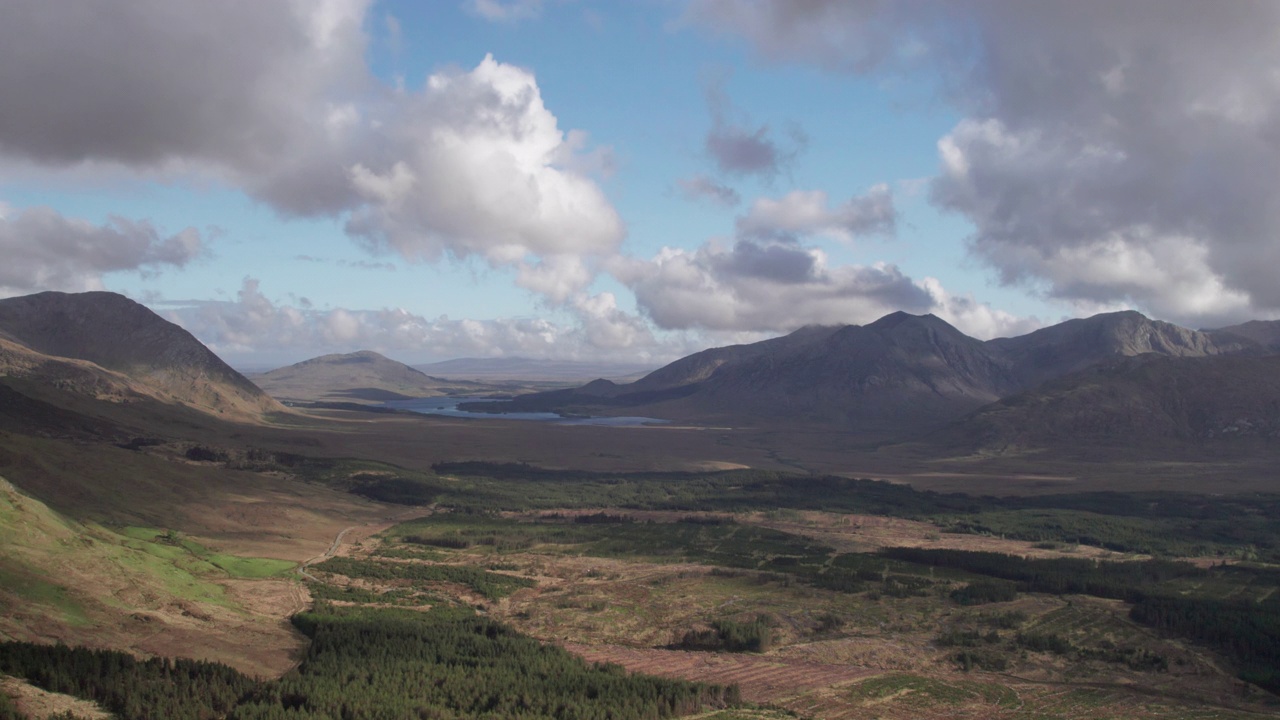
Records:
x=120, y=335
x=1074, y=345
x=897, y=374
x=897, y=377
x=363, y=375
x=900, y=374
x=1264, y=334
x=1142, y=401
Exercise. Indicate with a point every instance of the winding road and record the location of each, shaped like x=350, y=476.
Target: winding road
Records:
x=333, y=549
x=367, y=530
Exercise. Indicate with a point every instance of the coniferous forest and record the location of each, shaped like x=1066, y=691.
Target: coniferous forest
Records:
x=383, y=660
x=374, y=664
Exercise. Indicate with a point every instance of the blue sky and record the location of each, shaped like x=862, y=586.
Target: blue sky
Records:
x=638, y=180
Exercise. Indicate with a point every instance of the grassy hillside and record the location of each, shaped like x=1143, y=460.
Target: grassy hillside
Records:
x=148, y=590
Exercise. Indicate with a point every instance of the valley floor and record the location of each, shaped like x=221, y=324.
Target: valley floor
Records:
x=669, y=558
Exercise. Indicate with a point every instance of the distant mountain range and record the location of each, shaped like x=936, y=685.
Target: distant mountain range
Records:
x=530, y=369
x=906, y=376
x=363, y=376
x=105, y=346
x=1116, y=378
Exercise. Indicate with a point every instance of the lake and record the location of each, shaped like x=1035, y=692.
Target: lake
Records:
x=448, y=406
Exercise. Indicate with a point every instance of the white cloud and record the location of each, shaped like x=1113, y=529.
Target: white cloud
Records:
x=475, y=174
x=806, y=212
x=606, y=326
x=556, y=277
x=253, y=325
x=767, y=280
x=43, y=250
x=775, y=288
x=276, y=98
x=1111, y=154
x=974, y=318
x=504, y=11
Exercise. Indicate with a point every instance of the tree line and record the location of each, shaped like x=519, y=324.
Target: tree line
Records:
x=373, y=664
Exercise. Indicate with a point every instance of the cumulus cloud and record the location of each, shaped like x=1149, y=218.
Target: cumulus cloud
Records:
x=766, y=279
x=43, y=250
x=556, y=278
x=154, y=81
x=702, y=188
x=253, y=325
x=275, y=97
x=806, y=212
x=608, y=327
x=764, y=287
x=473, y=174
x=777, y=287
x=974, y=318
x=1112, y=153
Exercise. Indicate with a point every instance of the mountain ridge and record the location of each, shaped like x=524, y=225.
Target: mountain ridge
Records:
x=362, y=376
x=122, y=336
x=902, y=375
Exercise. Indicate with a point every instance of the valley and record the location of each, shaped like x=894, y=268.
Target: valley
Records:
x=1057, y=552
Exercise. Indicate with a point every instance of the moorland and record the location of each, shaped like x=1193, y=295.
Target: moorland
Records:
x=175, y=543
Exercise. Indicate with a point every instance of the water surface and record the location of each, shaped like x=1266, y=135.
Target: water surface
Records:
x=448, y=406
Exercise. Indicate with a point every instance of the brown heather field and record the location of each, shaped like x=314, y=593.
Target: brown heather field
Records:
x=882, y=661
x=419, y=442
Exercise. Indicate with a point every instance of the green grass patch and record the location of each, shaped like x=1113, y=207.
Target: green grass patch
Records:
x=32, y=589
x=722, y=544
x=198, y=559
x=491, y=586
x=718, y=542
x=251, y=568
x=922, y=692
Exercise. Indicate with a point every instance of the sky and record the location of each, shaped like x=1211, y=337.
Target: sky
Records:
x=637, y=180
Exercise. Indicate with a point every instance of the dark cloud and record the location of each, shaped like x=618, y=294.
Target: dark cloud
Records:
x=149, y=81
x=769, y=280
x=1113, y=153
x=701, y=187
x=777, y=263
x=738, y=147
x=275, y=97
x=44, y=250
x=737, y=289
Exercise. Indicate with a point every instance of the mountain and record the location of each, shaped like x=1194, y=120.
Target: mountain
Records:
x=1074, y=345
x=1142, y=401
x=519, y=368
x=52, y=335
x=1263, y=335
x=359, y=376
x=901, y=376
x=897, y=374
